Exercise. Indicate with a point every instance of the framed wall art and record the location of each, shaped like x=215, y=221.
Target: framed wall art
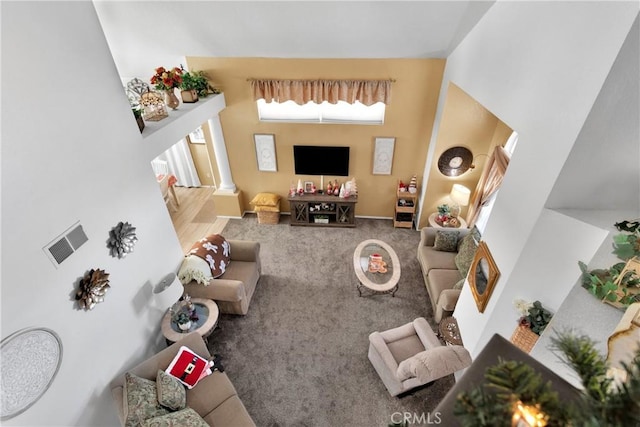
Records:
x=383, y=155
x=266, y=152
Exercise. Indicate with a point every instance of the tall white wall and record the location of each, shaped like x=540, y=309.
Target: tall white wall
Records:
x=71, y=151
x=539, y=67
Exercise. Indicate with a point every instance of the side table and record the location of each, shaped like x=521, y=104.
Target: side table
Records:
x=434, y=224
x=208, y=313
x=449, y=331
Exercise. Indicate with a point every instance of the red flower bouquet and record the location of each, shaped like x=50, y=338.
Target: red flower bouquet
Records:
x=167, y=79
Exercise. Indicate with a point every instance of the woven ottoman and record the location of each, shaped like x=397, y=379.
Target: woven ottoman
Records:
x=267, y=207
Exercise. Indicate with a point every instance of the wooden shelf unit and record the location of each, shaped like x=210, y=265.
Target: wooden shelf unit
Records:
x=306, y=209
x=404, y=215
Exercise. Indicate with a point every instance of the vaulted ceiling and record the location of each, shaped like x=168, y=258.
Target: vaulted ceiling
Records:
x=143, y=35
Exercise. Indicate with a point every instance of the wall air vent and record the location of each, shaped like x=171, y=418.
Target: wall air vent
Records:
x=65, y=244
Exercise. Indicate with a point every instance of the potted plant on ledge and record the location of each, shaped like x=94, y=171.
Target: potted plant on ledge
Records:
x=195, y=85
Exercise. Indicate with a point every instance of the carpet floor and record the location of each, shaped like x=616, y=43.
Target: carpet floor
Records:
x=299, y=357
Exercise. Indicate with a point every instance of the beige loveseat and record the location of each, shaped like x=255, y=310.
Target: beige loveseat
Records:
x=214, y=398
x=233, y=290
x=444, y=271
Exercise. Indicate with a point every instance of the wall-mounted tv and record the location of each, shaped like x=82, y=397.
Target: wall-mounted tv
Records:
x=321, y=160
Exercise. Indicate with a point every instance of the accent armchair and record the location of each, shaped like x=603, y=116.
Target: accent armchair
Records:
x=411, y=355
x=232, y=291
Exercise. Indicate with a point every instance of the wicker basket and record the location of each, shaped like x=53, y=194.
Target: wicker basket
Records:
x=524, y=338
x=266, y=217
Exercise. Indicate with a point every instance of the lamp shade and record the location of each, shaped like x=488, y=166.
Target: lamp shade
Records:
x=460, y=194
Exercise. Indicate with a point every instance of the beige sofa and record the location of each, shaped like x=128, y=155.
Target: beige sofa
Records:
x=440, y=270
x=214, y=398
x=233, y=290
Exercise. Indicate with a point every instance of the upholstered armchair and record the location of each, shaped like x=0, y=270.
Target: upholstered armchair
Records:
x=232, y=291
x=411, y=355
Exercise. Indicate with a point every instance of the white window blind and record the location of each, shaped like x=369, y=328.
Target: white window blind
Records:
x=342, y=112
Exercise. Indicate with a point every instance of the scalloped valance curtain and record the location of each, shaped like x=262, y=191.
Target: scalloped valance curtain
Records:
x=367, y=92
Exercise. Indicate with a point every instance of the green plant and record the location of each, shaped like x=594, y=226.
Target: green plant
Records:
x=601, y=403
x=181, y=317
x=197, y=80
x=538, y=317
x=444, y=210
x=626, y=246
x=601, y=283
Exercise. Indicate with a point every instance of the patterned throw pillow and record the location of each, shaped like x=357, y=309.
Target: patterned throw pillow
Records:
x=459, y=284
x=465, y=255
x=216, y=251
x=186, y=417
x=446, y=241
x=171, y=392
x=140, y=400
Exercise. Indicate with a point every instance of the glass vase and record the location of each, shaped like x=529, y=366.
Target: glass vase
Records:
x=171, y=99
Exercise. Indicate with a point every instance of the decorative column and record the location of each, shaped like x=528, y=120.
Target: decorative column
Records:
x=222, y=160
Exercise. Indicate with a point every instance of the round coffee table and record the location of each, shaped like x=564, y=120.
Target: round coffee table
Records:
x=207, y=311
x=384, y=280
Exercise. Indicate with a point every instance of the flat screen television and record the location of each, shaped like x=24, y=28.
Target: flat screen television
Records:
x=321, y=160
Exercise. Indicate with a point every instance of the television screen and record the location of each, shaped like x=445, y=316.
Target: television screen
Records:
x=321, y=160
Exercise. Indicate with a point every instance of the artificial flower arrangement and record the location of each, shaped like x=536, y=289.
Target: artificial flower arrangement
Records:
x=532, y=315
x=444, y=214
x=165, y=79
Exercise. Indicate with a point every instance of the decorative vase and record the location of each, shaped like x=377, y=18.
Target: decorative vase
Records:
x=171, y=99
x=185, y=326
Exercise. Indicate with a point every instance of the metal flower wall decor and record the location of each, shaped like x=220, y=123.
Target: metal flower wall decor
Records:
x=93, y=286
x=122, y=239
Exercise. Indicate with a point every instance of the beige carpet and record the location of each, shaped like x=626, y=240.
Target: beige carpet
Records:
x=206, y=214
x=299, y=357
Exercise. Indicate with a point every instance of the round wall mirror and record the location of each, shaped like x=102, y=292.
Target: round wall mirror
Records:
x=455, y=161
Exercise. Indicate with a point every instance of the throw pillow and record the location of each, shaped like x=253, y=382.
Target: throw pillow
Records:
x=459, y=284
x=446, y=241
x=189, y=368
x=171, y=392
x=266, y=199
x=465, y=255
x=186, y=417
x=216, y=251
x=140, y=400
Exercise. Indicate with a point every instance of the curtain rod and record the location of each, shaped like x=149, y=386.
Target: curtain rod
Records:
x=250, y=79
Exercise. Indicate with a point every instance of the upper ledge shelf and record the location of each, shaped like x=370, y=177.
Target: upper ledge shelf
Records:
x=183, y=120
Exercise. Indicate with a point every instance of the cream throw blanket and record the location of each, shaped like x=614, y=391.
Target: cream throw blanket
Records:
x=429, y=365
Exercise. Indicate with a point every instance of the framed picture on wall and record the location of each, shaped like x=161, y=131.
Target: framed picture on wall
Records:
x=383, y=155
x=265, y=152
x=197, y=136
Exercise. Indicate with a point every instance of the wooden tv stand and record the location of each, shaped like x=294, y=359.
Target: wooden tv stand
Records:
x=323, y=210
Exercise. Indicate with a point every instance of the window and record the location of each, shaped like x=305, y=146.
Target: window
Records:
x=342, y=112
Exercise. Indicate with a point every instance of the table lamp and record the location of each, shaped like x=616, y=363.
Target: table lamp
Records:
x=167, y=290
x=460, y=196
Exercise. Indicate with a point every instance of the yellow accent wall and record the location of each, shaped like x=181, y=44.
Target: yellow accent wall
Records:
x=409, y=118
x=466, y=123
